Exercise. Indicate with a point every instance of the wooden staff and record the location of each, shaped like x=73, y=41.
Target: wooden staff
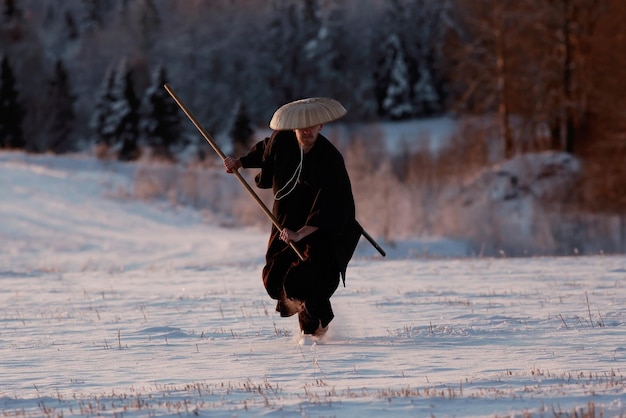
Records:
x=374, y=243
x=219, y=152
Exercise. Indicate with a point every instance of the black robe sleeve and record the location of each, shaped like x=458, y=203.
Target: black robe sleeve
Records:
x=254, y=157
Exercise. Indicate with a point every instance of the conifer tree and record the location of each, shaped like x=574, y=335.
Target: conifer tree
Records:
x=324, y=50
x=11, y=110
x=240, y=131
x=62, y=111
x=161, y=121
x=116, y=116
x=417, y=31
x=101, y=120
x=392, y=82
x=426, y=97
x=125, y=114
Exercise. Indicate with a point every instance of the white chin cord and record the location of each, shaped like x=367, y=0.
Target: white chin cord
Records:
x=293, y=181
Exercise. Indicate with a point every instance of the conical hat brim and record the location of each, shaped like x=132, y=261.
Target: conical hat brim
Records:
x=305, y=113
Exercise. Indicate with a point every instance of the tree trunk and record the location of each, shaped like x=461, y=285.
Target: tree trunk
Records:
x=503, y=108
x=568, y=79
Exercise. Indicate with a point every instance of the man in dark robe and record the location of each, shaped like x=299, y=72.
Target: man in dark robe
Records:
x=313, y=203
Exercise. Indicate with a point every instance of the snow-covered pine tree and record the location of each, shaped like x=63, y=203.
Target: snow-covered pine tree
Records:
x=11, y=109
x=425, y=95
x=125, y=114
x=101, y=119
x=62, y=100
x=161, y=118
x=393, y=86
x=420, y=27
x=240, y=131
x=425, y=26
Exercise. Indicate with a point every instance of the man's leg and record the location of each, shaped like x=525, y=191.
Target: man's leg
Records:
x=315, y=317
x=274, y=273
x=313, y=283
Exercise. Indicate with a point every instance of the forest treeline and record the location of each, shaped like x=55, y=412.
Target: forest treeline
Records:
x=540, y=75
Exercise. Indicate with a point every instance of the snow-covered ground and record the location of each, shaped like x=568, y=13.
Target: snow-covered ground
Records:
x=115, y=307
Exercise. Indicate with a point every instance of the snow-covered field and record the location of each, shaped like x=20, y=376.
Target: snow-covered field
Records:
x=115, y=307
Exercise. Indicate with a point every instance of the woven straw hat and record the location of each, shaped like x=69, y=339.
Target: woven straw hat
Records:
x=305, y=113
